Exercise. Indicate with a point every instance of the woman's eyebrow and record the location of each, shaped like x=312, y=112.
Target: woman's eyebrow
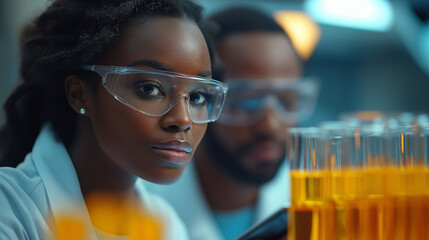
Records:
x=163, y=67
x=151, y=63
x=205, y=74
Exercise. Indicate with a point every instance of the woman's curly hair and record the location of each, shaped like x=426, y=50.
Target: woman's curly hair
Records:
x=68, y=34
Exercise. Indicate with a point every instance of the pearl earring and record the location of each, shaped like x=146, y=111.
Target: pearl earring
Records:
x=82, y=111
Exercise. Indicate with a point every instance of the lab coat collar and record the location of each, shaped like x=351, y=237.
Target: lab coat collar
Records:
x=202, y=224
x=271, y=197
x=59, y=177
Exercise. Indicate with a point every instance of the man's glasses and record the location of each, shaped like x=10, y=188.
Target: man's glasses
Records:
x=155, y=92
x=248, y=100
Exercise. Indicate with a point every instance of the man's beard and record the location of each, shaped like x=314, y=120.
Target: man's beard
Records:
x=231, y=162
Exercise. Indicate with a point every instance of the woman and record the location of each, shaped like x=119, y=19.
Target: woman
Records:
x=112, y=90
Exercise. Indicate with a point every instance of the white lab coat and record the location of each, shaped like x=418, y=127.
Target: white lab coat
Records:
x=46, y=183
x=188, y=200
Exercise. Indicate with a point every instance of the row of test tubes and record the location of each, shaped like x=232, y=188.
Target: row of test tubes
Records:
x=360, y=178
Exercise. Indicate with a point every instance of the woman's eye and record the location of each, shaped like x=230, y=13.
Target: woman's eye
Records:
x=150, y=88
x=198, y=98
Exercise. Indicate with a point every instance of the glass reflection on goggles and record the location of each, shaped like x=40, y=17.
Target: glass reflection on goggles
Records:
x=249, y=100
x=155, y=92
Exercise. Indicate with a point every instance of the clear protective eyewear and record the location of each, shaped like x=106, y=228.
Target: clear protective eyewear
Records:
x=155, y=92
x=248, y=100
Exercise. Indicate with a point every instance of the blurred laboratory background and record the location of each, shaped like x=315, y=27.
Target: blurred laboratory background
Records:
x=367, y=54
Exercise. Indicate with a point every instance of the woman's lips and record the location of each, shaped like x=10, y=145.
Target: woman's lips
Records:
x=175, y=152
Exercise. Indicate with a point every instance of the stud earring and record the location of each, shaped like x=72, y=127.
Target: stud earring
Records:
x=82, y=111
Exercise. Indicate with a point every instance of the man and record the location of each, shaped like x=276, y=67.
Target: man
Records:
x=239, y=175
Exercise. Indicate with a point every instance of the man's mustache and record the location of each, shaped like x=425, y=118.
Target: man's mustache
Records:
x=244, y=148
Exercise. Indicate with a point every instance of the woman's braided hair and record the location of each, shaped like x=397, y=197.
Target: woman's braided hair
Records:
x=68, y=34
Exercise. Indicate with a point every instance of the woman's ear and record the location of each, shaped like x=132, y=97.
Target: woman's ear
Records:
x=77, y=94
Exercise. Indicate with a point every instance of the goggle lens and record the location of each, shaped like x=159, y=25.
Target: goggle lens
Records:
x=156, y=92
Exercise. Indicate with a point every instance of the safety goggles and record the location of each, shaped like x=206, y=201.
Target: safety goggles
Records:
x=248, y=100
x=155, y=92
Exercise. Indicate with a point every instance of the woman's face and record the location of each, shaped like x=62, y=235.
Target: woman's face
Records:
x=153, y=148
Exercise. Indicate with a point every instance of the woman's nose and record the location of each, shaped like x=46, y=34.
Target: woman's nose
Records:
x=178, y=118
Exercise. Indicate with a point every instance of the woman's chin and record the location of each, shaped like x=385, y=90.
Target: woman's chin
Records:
x=166, y=176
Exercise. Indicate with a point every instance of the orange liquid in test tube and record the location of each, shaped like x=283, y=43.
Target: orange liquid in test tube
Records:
x=379, y=204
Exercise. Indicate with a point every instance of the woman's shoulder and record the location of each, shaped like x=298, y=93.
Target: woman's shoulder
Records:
x=24, y=179
x=22, y=187
x=23, y=202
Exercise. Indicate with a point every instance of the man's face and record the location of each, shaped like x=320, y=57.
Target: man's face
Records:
x=252, y=154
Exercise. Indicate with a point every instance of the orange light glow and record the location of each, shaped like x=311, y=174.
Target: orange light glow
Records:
x=302, y=30
x=111, y=216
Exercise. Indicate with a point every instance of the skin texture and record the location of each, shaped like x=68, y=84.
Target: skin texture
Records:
x=256, y=152
x=113, y=143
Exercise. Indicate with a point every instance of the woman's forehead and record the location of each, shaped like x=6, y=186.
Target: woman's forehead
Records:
x=177, y=43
